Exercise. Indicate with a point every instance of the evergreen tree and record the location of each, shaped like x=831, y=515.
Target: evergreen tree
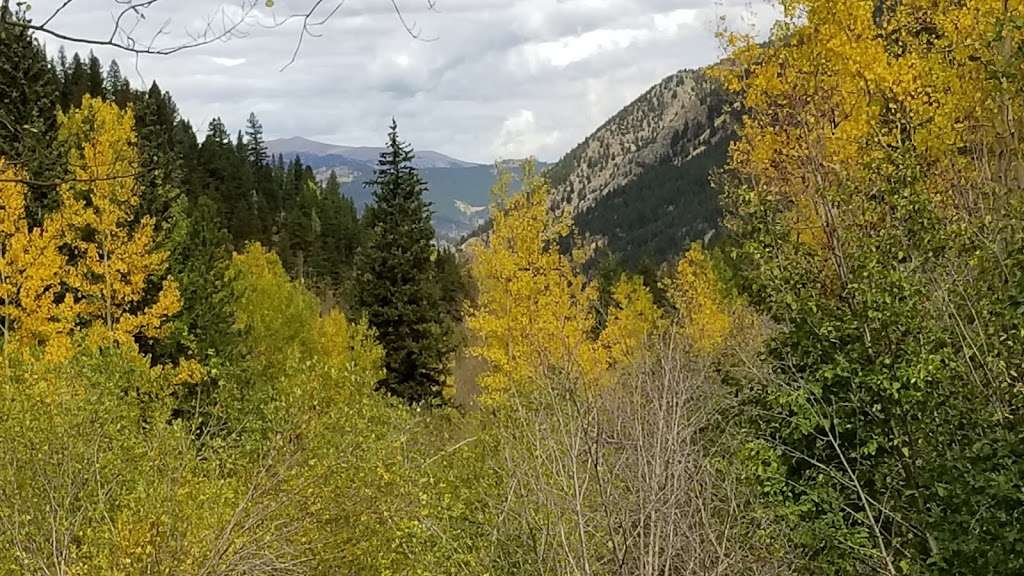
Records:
x=396, y=279
x=187, y=146
x=300, y=226
x=156, y=115
x=199, y=257
x=76, y=83
x=339, y=235
x=229, y=183
x=241, y=148
x=256, y=146
x=28, y=104
x=451, y=282
x=94, y=77
x=116, y=86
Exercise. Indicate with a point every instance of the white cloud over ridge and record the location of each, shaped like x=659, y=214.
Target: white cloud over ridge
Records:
x=498, y=78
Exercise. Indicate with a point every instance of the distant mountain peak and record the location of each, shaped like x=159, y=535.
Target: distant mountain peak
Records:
x=639, y=185
x=307, y=148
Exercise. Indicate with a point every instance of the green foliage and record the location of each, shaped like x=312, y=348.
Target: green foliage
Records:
x=655, y=216
x=28, y=106
x=204, y=329
x=339, y=237
x=386, y=490
x=247, y=435
x=90, y=476
x=875, y=217
x=396, y=276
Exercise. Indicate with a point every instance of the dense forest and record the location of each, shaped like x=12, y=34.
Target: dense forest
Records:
x=213, y=365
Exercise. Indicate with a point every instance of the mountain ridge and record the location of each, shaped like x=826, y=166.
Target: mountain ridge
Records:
x=459, y=191
x=638, y=187
x=302, y=146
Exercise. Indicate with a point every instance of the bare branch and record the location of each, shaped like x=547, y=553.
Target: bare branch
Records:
x=225, y=23
x=56, y=12
x=125, y=26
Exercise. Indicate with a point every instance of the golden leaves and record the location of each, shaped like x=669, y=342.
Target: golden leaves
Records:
x=698, y=296
x=34, y=305
x=844, y=87
x=632, y=322
x=534, y=310
x=93, y=263
x=116, y=259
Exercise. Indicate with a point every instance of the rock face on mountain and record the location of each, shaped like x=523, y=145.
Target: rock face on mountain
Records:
x=639, y=185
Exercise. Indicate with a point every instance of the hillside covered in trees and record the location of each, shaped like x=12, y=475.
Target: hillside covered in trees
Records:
x=212, y=365
x=639, y=188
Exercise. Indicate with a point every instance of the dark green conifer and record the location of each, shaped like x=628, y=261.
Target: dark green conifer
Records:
x=339, y=236
x=76, y=83
x=28, y=104
x=116, y=86
x=94, y=77
x=256, y=146
x=396, y=280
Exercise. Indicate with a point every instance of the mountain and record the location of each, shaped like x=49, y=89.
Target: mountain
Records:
x=639, y=187
x=364, y=154
x=459, y=190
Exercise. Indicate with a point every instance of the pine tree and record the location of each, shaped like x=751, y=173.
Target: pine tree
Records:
x=451, y=281
x=396, y=286
x=76, y=83
x=256, y=146
x=229, y=183
x=199, y=257
x=339, y=235
x=116, y=86
x=160, y=180
x=28, y=104
x=300, y=226
x=94, y=77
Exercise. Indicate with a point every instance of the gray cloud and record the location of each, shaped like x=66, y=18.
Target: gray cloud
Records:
x=499, y=78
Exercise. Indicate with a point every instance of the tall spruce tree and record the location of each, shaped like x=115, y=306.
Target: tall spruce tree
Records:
x=28, y=105
x=396, y=279
x=94, y=76
x=256, y=146
x=76, y=83
x=116, y=85
x=155, y=117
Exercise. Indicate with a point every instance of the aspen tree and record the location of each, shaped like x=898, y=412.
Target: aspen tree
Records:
x=534, y=311
x=33, y=305
x=634, y=319
x=115, y=258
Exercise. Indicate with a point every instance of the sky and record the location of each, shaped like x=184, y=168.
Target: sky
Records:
x=483, y=80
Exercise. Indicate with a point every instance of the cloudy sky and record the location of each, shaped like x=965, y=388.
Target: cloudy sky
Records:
x=486, y=79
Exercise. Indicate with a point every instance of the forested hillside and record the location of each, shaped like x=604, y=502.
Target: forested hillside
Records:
x=212, y=366
x=452, y=185
x=458, y=191
x=639, y=188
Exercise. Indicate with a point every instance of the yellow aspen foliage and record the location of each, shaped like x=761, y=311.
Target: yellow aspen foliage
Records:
x=634, y=319
x=534, y=310
x=846, y=91
x=697, y=294
x=349, y=346
x=115, y=260
x=34, y=307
